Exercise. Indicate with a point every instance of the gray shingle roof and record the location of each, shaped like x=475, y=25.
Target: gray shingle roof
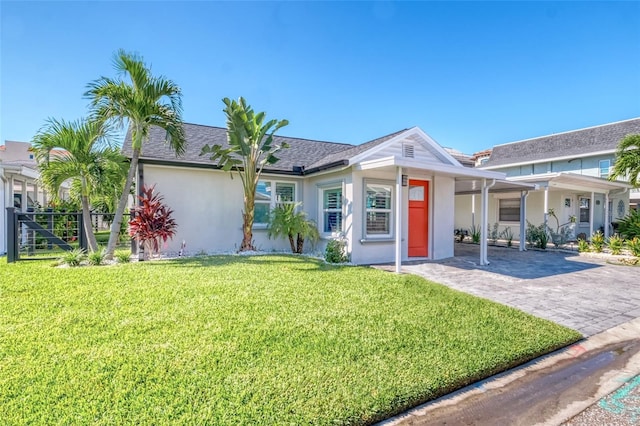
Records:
x=305, y=153
x=574, y=143
x=352, y=151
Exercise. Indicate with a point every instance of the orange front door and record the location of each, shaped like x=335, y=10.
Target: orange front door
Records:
x=418, y=218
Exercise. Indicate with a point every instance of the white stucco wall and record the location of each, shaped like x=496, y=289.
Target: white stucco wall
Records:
x=442, y=225
x=207, y=206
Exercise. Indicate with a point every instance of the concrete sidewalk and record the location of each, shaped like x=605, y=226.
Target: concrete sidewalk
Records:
x=550, y=390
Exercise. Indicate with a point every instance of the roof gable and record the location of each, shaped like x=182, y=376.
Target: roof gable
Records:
x=303, y=156
x=412, y=143
x=576, y=143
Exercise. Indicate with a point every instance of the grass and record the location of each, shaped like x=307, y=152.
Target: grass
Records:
x=244, y=340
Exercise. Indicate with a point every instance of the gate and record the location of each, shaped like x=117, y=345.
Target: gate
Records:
x=47, y=234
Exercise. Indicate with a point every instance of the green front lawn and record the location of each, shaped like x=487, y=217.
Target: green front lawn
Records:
x=243, y=340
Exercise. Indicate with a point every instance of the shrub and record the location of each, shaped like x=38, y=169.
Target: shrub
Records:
x=583, y=246
x=507, y=234
x=152, y=223
x=493, y=233
x=96, y=258
x=629, y=226
x=336, y=251
x=537, y=235
x=123, y=256
x=73, y=257
x=597, y=242
x=615, y=244
x=634, y=246
x=474, y=231
x=285, y=221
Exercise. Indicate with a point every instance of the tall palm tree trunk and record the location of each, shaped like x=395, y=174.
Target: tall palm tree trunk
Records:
x=86, y=224
x=114, y=234
x=247, y=222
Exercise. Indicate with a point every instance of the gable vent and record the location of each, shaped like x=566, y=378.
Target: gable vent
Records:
x=407, y=151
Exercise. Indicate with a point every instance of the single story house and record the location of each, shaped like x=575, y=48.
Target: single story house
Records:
x=571, y=171
x=392, y=199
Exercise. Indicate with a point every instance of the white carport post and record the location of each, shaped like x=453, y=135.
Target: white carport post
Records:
x=546, y=206
x=398, y=216
x=606, y=214
x=592, y=203
x=484, y=221
x=473, y=210
x=523, y=220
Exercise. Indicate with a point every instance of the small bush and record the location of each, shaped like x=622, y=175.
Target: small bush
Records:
x=493, y=233
x=583, y=246
x=336, y=251
x=537, y=235
x=629, y=226
x=507, y=234
x=123, y=256
x=597, y=242
x=96, y=258
x=73, y=257
x=615, y=244
x=634, y=246
x=474, y=231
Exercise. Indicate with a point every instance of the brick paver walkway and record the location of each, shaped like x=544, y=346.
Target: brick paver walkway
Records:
x=586, y=294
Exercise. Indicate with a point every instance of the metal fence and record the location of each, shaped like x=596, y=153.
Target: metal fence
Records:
x=47, y=234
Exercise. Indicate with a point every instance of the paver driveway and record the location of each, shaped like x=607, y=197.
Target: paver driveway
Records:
x=586, y=294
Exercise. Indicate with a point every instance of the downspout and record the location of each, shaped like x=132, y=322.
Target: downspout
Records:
x=523, y=220
x=485, y=222
x=592, y=205
x=545, y=213
x=398, y=219
x=606, y=214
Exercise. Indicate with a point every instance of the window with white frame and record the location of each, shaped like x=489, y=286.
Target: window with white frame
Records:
x=378, y=209
x=603, y=168
x=331, y=210
x=585, y=210
x=268, y=195
x=509, y=210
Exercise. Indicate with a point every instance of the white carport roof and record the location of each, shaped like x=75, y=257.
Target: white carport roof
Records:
x=468, y=180
x=573, y=181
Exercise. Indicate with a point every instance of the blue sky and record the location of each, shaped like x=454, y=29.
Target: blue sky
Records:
x=470, y=74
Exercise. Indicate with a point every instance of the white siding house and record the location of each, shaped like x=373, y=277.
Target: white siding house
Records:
x=571, y=170
x=392, y=198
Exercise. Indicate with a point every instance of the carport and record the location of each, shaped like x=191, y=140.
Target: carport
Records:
x=484, y=187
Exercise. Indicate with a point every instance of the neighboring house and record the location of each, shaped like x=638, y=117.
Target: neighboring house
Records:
x=18, y=183
x=18, y=187
x=571, y=171
x=392, y=198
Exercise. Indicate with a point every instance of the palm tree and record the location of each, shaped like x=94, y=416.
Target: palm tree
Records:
x=628, y=160
x=250, y=149
x=143, y=101
x=86, y=158
x=286, y=221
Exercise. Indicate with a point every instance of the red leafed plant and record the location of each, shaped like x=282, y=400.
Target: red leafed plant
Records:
x=151, y=223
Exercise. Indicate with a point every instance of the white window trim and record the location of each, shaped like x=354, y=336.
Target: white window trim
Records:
x=321, y=210
x=273, y=202
x=600, y=168
x=499, y=208
x=391, y=211
x=580, y=208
